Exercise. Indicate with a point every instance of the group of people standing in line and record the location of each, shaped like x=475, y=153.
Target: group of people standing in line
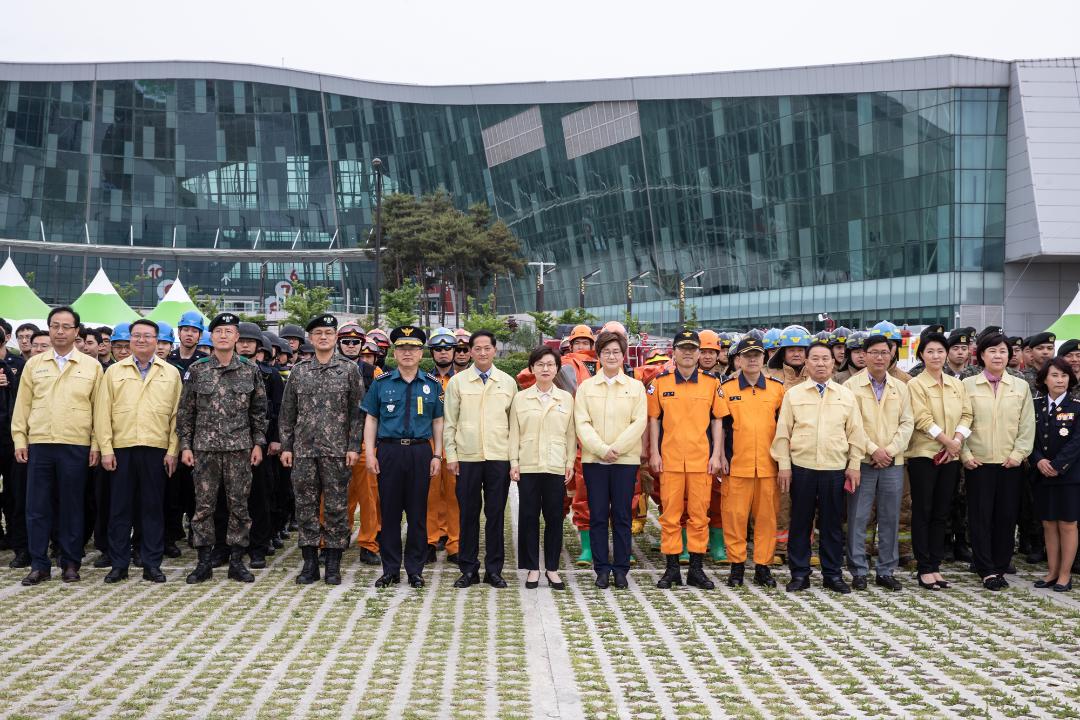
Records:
x=767, y=439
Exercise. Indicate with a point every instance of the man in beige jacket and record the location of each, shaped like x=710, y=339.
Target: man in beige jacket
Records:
x=476, y=439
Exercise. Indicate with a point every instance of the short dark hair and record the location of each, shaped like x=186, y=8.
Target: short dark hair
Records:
x=1056, y=362
x=39, y=333
x=992, y=340
x=90, y=332
x=483, y=333
x=147, y=323
x=105, y=330
x=938, y=338
x=27, y=326
x=63, y=309
x=543, y=351
x=6, y=325
x=606, y=338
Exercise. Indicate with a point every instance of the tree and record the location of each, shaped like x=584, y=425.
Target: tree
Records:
x=305, y=303
x=634, y=326
x=545, y=324
x=399, y=306
x=128, y=290
x=30, y=277
x=690, y=316
x=576, y=316
x=207, y=305
x=484, y=317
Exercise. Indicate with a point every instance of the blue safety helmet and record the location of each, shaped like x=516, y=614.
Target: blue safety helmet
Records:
x=887, y=329
x=442, y=338
x=205, y=341
x=794, y=336
x=192, y=318
x=165, y=333
x=770, y=338
x=121, y=332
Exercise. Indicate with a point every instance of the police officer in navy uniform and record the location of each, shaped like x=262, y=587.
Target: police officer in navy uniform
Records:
x=404, y=413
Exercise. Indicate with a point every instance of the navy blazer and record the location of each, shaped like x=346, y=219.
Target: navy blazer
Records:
x=1057, y=439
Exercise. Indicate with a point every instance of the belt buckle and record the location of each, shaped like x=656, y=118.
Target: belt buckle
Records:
x=405, y=441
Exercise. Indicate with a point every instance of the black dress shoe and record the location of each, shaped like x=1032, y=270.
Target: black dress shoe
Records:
x=554, y=585
x=837, y=585
x=36, y=576
x=102, y=561
x=431, y=555
x=858, y=582
x=495, y=580
x=467, y=581
x=1063, y=588
x=603, y=580
x=153, y=574
x=993, y=582
x=387, y=580
x=888, y=582
x=171, y=551
x=70, y=574
x=798, y=584
x=1045, y=583
x=277, y=542
x=416, y=581
x=21, y=560
x=452, y=558
x=1003, y=581
x=532, y=584
x=116, y=575
x=620, y=580
x=369, y=558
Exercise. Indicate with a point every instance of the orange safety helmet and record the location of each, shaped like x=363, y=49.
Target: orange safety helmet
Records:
x=656, y=355
x=350, y=330
x=580, y=332
x=709, y=340
x=380, y=337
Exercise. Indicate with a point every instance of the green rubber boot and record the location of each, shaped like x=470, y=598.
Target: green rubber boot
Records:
x=684, y=557
x=717, y=551
x=585, y=559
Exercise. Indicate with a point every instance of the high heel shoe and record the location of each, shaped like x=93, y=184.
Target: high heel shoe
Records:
x=943, y=584
x=532, y=584
x=554, y=585
x=1063, y=588
x=1045, y=583
x=932, y=585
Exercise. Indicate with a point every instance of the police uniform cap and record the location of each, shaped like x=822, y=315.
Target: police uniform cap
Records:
x=325, y=320
x=688, y=338
x=1067, y=347
x=1040, y=339
x=407, y=335
x=749, y=344
x=250, y=331
x=225, y=318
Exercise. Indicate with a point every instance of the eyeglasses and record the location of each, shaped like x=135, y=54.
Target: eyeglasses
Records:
x=545, y=366
x=351, y=342
x=611, y=353
x=57, y=326
x=144, y=337
x=879, y=353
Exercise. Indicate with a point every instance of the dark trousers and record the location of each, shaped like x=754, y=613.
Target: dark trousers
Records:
x=259, y=504
x=820, y=492
x=611, y=497
x=1029, y=525
x=488, y=483
x=174, y=502
x=14, y=497
x=932, y=490
x=540, y=492
x=993, y=499
x=957, y=530
x=138, y=489
x=404, y=478
x=62, y=469
x=100, y=478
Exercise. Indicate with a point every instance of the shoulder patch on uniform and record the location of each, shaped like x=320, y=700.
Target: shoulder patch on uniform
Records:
x=383, y=376
x=774, y=379
x=432, y=376
x=651, y=389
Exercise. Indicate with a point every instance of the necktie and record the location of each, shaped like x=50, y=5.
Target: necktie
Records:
x=1052, y=406
x=483, y=377
x=820, y=390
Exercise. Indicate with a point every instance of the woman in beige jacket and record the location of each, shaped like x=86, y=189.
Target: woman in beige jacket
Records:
x=543, y=445
x=610, y=412
x=942, y=412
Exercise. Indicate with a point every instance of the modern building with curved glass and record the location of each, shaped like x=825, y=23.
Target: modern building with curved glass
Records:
x=936, y=189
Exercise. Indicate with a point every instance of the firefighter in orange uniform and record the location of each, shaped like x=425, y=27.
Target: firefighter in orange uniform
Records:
x=752, y=401
x=648, y=486
x=364, y=486
x=442, y=508
x=686, y=404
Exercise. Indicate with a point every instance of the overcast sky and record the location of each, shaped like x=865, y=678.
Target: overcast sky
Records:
x=478, y=41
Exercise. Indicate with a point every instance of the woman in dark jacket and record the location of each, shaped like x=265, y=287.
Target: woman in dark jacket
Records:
x=1055, y=456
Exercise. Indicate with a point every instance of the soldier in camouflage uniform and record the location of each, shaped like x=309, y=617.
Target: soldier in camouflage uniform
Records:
x=222, y=418
x=321, y=429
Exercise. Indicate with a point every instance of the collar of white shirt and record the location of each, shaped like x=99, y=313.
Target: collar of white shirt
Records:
x=58, y=357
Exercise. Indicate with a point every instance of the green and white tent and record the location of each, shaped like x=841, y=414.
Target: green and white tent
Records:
x=18, y=303
x=101, y=305
x=1067, y=327
x=175, y=303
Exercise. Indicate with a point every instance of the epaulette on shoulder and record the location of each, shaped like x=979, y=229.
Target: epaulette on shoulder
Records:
x=382, y=377
x=243, y=360
x=200, y=361
x=432, y=376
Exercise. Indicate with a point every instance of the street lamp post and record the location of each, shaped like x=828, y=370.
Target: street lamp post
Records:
x=683, y=287
x=376, y=164
x=542, y=270
x=630, y=292
x=581, y=287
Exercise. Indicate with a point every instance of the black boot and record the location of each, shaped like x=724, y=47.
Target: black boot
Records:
x=735, y=579
x=203, y=569
x=310, y=571
x=258, y=558
x=672, y=575
x=237, y=570
x=219, y=556
x=333, y=567
x=696, y=576
x=763, y=576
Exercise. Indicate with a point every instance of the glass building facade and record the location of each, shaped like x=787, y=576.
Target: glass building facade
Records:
x=861, y=204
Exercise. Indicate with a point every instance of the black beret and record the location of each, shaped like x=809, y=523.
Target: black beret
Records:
x=1067, y=347
x=988, y=331
x=958, y=337
x=1040, y=339
x=225, y=318
x=325, y=320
